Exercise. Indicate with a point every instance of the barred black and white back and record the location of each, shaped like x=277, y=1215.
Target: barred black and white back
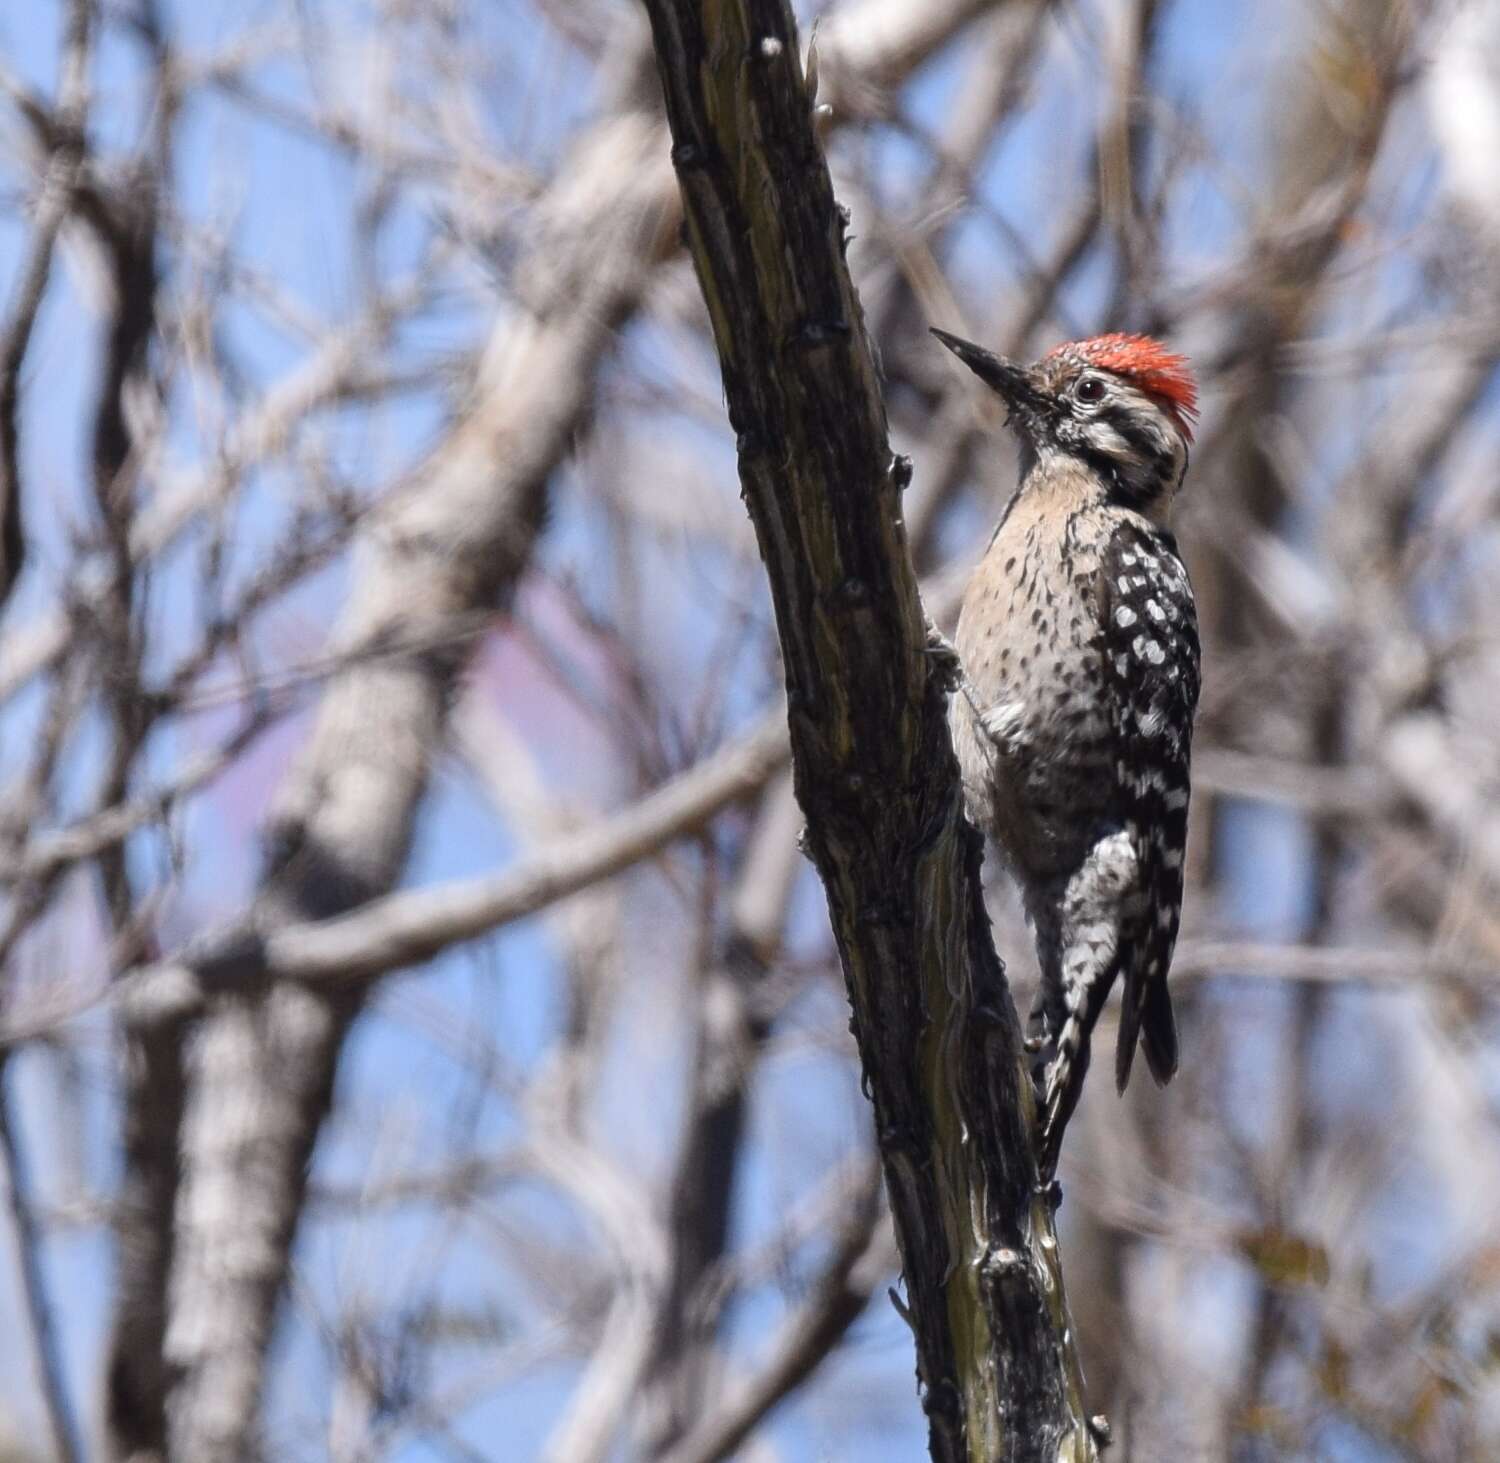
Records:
x=1079, y=647
x=1147, y=638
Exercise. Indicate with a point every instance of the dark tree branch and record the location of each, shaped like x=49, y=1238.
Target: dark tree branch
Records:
x=65, y=159
x=860, y=1261
x=874, y=768
x=41, y=1326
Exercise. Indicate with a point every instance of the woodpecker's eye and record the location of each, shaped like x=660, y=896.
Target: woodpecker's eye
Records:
x=1089, y=390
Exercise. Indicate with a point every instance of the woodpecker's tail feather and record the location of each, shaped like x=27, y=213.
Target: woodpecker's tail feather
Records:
x=1159, y=1032
x=1131, y=1002
x=1145, y=1018
x=1146, y=1014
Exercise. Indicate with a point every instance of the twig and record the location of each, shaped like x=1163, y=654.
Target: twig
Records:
x=412, y=926
x=863, y=1256
x=42, y=1332
x=36, y=266
x=48, y=853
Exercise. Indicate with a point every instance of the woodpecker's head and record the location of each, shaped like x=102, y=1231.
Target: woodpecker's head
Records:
x=1123, y=405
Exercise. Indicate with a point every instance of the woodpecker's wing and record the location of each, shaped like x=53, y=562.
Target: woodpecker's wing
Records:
x=1149, y=633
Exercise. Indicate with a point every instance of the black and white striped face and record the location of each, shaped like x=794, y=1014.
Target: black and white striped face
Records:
x=1120, y=405
x=1128, y=437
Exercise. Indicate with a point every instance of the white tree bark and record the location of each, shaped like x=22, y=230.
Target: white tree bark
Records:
x=430, y=573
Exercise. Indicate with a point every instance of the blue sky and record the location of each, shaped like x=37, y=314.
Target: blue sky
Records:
x=288, y=203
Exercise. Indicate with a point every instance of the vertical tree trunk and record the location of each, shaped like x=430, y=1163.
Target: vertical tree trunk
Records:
x=875, y=771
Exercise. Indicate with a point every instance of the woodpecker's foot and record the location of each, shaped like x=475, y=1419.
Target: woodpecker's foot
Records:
x=951, y=670
x=1040, y=1032
x=949, y=667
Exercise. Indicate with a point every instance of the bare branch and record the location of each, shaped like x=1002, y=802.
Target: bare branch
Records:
x=409, y=927
x=452, y=546
x=42, y=1329
x=874, y=767
x=863, y=1256
x=58, y=180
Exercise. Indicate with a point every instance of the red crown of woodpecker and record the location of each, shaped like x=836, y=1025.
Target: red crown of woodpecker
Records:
x=1148, y=365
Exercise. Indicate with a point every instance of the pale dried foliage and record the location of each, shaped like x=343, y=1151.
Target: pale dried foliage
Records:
x=387, y=609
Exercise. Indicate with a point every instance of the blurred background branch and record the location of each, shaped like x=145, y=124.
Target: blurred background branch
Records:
x=421, y=1035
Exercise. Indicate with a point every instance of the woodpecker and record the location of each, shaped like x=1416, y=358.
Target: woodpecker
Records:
x=1077, y=678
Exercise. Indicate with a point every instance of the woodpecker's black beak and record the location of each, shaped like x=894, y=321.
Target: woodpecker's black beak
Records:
x=1012, y=382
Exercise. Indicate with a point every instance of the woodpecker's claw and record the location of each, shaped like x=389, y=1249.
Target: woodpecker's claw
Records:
x=950, y=668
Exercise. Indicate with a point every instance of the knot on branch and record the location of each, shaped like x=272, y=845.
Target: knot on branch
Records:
x=813, y=334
